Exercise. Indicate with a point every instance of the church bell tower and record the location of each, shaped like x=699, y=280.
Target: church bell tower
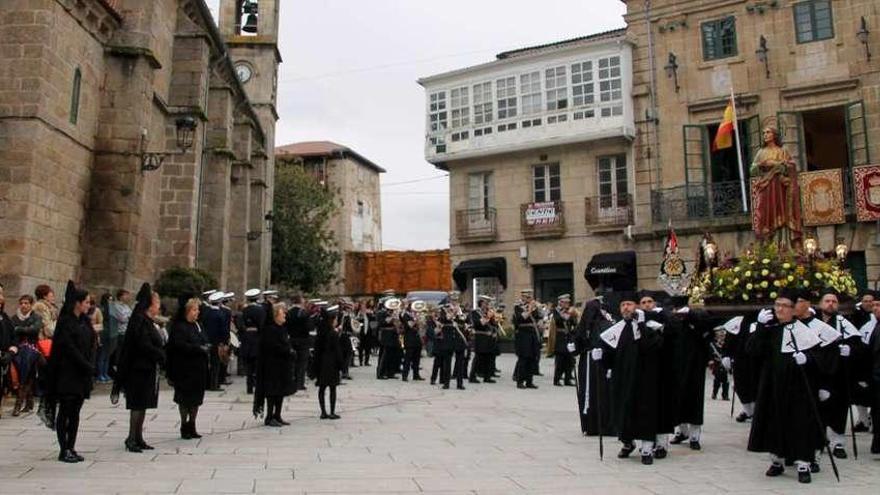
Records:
x=250, y=30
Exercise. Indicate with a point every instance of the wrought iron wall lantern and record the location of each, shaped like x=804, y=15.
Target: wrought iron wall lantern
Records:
x=762, y=53
x=672, y=70
x=862, y=35
x=151, y=161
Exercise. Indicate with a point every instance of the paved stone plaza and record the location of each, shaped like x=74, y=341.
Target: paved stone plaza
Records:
x=393, y=438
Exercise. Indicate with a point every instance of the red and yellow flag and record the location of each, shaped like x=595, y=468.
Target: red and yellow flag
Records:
x=724, y=138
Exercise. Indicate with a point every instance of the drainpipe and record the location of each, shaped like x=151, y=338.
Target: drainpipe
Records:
x=655, y=141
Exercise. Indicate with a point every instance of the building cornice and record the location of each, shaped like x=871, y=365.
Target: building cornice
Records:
x=97, y=17
x=819, y=88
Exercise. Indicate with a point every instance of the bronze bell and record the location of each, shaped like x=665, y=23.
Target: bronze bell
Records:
x=250, y=26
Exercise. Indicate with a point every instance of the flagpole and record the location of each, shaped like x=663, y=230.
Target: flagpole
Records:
x=742, y=178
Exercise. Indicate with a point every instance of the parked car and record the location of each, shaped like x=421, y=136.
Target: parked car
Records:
x=433, y=298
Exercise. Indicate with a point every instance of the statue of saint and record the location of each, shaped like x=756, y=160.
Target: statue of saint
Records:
x=776, y=212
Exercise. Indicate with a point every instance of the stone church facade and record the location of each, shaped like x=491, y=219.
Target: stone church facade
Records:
x=89, y=91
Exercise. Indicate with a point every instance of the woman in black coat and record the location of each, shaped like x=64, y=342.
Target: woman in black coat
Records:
x=138, y=375
x=69, y=378
x=329, y=360
x=187, y=369
x=274, y=368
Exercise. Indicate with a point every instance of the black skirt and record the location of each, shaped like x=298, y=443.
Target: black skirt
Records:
x=142, y=389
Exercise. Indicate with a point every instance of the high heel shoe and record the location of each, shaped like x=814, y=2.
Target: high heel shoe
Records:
x=144, y=446
x=132, y=446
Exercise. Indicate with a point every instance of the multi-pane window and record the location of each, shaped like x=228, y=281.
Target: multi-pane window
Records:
x=481, y=194
x=530, y=87
x=482, y=103
x=505, y=90
x=547, y=185
x=719, y=38
x=612, y=181
x=813, y=21
x=557, y=89
x=437, y=115
x=459, y=107
x=582, y=89
x=610, y=86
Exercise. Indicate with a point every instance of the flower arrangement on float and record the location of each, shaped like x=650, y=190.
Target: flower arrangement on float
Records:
x=759, y=274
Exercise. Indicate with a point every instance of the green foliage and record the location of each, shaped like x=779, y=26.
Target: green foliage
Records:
x=304, y=252
x=178, y=281
x=763, y=270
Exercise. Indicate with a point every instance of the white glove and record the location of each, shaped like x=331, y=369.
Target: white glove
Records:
x=858, y=305
x=824, y=395
x=765, y=315
x=597, y=354
x=571, y=347
x=800, y=358
x=844, y=350
x=655, y=325
x=608, y=375
x=683, y=311
x=726, y=362
x=13, y=350
x=863, y=384
x=812, y=311
x=640, y=316
x=657, y=310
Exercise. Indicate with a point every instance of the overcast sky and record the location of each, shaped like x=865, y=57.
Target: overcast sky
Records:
x=350, y=70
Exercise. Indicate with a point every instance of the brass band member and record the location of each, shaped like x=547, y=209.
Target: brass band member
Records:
x=526, y=316
x=484, y=322
x=459, y=339
x=412, y=341
x=564, y=321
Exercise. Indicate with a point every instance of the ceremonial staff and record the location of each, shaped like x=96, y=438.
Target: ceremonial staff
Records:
x=813, y=405
x=599, y=407
x=852, y=422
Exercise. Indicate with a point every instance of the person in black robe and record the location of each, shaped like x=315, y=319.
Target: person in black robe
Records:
x=527, y=341
x=693, y=334
x=630, y=350
x=851, y=369
x=388, y=321
x=254, y=318
x=744, y=367
x=275, y=362
x=346, y=333
x=412, y=345
x=872, y=338
x=139, y=361
x=459, y=344
x=187, y=364
x=656, y=318
x=594, y=386
x=70, y=370
x=863, y=395
x=785, y=424
x=328, y=360
x=564, y=322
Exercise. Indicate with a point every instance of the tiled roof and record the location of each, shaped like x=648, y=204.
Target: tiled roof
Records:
x=323, y=148
x=593, y=37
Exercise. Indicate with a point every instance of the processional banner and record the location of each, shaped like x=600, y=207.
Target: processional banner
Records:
x=866, y=183
x=822, y=197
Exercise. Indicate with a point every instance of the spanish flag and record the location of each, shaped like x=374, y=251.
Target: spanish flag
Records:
x=724, y=138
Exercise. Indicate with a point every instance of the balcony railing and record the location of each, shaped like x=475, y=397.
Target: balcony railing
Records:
x=542, y=220
x=476, y=225
x=609, y=211
x=698, y=201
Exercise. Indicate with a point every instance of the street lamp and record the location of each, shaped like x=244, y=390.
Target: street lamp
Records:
x=863, y=37
x=762, y=52
x=672, y=69
x=151, y=161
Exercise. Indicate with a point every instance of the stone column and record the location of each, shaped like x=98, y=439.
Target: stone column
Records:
x=237, y=259
x=256, y=274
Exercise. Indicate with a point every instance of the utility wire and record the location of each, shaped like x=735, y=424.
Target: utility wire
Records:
x=413, y=181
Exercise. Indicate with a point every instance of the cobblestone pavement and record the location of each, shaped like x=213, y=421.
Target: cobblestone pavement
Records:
x=393, y=437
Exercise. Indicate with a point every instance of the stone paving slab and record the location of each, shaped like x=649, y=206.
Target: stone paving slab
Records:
x=395, y=437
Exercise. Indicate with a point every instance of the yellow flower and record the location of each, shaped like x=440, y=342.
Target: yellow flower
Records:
x=790, y=278
x=764, y=284
x=736, y=269
x=818, y=275
x=806, y=283
x=777, y=283
x=765, y=272
x=786, y=265
x=772, y=295
x=748, y=273
x=745, y=297
x=766, y=261
x=736, y=281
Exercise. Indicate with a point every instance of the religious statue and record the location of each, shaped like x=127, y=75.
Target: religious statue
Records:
x=776, y=208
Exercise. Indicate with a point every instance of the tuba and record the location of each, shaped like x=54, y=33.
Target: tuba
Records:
x=419, y=306
x=392, y=304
